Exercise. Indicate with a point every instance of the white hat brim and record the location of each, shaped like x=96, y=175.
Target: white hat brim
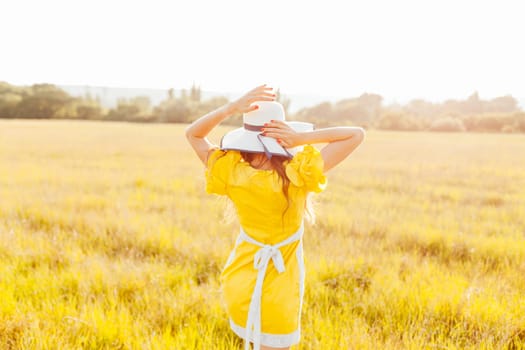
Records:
x=241, y=139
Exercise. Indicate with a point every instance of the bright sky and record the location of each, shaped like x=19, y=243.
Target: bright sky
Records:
x=401, y=49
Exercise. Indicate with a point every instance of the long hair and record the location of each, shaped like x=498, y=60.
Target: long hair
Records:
x=277, y=163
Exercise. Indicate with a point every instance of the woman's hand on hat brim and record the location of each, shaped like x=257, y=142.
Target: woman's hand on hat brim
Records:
x=283, y=133
x=245, y=103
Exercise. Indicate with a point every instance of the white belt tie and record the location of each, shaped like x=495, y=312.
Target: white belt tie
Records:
x=260, y=262
x=263, y=256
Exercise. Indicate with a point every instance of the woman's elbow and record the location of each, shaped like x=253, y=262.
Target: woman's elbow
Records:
x=358, y=134
x=189, y=132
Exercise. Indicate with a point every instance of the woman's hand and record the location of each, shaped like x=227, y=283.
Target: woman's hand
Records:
x=197, y=131
x=283, y=133
x=244, y=104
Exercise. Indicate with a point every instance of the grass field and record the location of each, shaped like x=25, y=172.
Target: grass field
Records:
x=109, y=241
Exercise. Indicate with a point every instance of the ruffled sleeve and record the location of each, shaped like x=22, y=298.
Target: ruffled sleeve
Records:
x=218, y=169
x=306, y=169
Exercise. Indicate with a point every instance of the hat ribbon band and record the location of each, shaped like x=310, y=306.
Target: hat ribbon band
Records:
x=266, y=150
x=251, y=127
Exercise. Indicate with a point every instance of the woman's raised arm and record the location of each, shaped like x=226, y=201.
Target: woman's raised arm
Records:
x=197, y=131
x=342, y=140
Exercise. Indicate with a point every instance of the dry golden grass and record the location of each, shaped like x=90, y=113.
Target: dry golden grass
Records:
x=108, y=241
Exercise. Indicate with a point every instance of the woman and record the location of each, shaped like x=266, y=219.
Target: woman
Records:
x=267, y=168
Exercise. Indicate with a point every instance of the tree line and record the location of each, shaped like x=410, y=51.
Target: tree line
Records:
x=47, y=101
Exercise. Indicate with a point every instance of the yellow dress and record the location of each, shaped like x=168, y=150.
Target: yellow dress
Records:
x=267, y=220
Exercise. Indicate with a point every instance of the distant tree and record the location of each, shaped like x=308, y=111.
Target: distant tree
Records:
x=195, y=93
x=172, y=111
x=187, y=107
x=422, y=109
x=447, y=124
x=352, y=111
x=398, y=121
x=8, y=104
x=363, y=110
x=89, y=112
x=143, y=103
x=45, y=101
x=493, y=122
x=320, y=115
x=125, y=110
x=372, y=103
x=211, y=104
x=473, y=105
x=503, y=104
x=134, y=109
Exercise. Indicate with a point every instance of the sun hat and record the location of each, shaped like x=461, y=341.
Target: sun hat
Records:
x=249, y=138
